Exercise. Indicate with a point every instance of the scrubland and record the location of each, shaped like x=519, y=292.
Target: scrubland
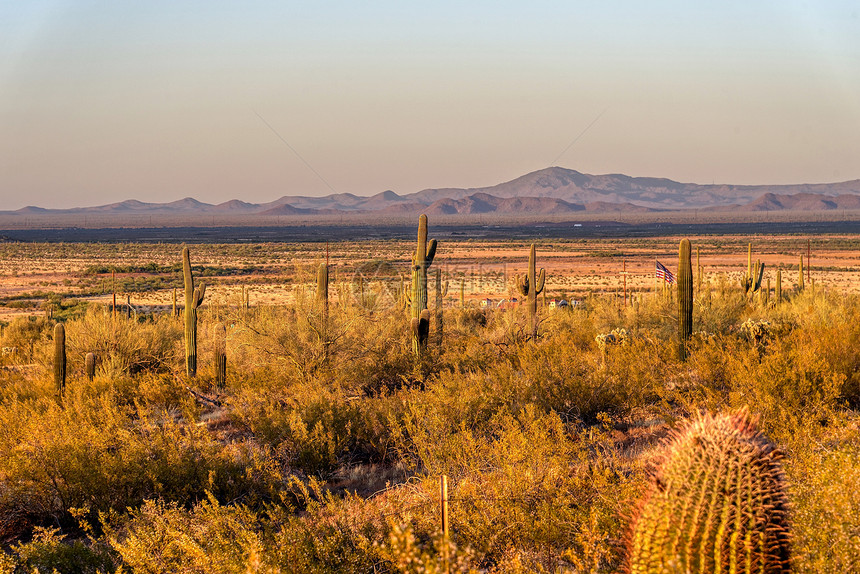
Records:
x=323, y=451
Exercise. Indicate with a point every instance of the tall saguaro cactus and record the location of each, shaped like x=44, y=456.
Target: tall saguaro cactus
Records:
x=441, y=293
x=685, y=298
x=800, y=284
x=219, y=335
x=60, y=358
x=530, y=285
x=778, y=294
x=421, y=260
x=322, y=301
x=193, y=299
x=322, y=285
x=717, y=503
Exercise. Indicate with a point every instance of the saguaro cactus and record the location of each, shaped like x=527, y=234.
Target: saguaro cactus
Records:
x=716, y=503
x=685, y=298
x=778, y=294
x=322, y=301
x=530, y=285
x=420, y=327
x=322, y=286
x=193, y=299
x=421, y=260
x=60, y=358
x=463, y=294
x=441, y=293
x=219, y=335
x=758, y=274
x=800, y=284
x=90, y=365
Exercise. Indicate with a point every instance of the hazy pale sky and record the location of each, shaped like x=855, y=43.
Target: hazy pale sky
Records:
x=105, y=101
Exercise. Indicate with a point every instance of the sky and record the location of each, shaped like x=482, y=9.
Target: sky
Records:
x=157, y=100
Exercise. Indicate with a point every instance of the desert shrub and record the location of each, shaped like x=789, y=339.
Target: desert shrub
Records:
x=95, y=452
x=309, y=426
x=825, y=489
x=124, y=346
x=788, y=384
x=26, y=334
x=524, y=486
x=209, y=538
x=337, y=534
x=48, y=552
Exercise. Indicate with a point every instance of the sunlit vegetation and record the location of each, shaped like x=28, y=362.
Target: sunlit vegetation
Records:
x=323, y=451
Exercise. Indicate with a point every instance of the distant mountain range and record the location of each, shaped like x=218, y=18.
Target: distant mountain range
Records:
x=550, y=191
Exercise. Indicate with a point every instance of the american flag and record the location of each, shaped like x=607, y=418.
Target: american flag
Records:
x=665, y=274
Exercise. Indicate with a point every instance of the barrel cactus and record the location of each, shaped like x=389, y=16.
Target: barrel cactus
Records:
x=716, y=503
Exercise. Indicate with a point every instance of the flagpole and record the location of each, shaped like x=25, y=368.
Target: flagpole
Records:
x=655, y=278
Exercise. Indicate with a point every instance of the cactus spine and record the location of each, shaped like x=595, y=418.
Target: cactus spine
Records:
x=717, y=503
x=193, y=299
x=685, y=298
x=60, y=358
x=421, y=260
x=219, y=335
x=90, y=366
x=530, y=285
